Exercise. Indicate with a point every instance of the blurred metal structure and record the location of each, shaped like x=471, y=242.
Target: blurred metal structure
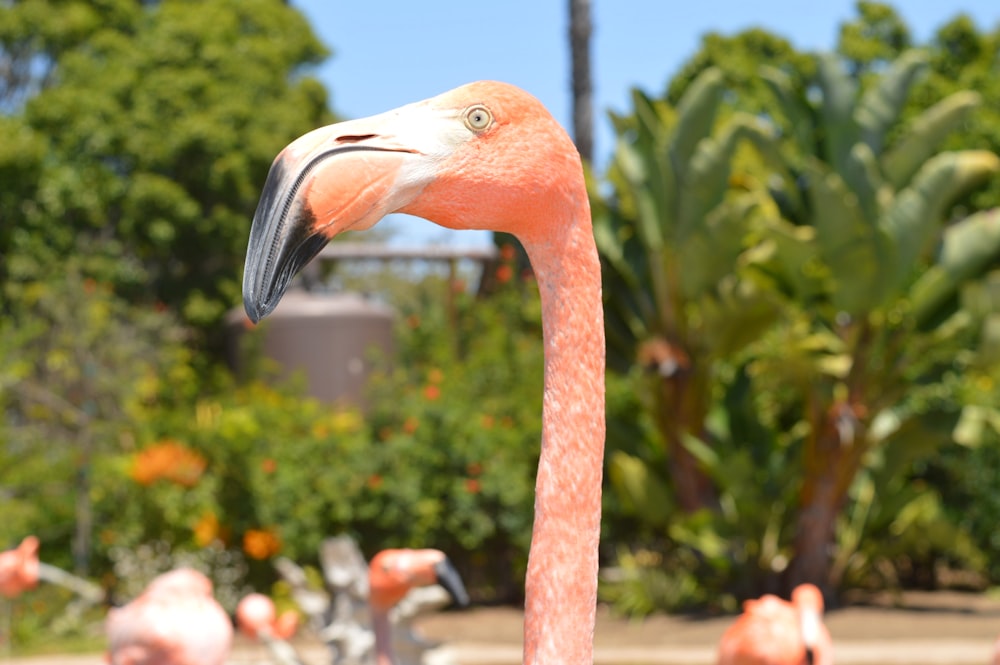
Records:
x=329, y=338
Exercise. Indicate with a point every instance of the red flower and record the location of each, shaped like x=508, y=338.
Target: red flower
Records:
x=168, y=460
x=504, y=273
x=472, y=486
x=432, y=392
x=261, y=543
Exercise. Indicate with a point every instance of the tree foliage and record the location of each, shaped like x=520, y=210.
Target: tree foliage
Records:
x=863, y=371
x=145, y=134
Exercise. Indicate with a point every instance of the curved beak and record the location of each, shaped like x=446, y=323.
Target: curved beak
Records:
x=344, y=176
x=451, y=581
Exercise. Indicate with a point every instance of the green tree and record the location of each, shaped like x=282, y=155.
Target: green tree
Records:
x=875, y=38
x=158, y=121
x=867, y=373
x=671, y=237
x=75, y=360
x=869, y=253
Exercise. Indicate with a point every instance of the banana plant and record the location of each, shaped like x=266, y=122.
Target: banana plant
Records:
x=671, y=235
x=871, y=259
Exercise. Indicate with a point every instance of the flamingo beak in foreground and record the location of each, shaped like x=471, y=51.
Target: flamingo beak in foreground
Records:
x=345, y=176
x=450, y=580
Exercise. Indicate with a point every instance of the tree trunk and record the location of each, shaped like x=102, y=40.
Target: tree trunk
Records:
x=681, y=411
x=579, y=43
x=832, y=459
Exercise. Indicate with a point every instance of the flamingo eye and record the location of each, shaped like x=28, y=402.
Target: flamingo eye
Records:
x=477, y=118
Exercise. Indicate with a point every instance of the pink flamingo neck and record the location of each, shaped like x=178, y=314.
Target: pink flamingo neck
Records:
x=383, y=636
x=561, y=584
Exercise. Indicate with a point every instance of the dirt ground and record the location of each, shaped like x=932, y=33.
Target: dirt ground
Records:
x=913, y=616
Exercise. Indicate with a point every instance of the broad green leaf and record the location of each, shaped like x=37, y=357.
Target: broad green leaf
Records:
x=861, y=174
x=707, y=176
x=712, y=249
x=839, y=91
x=925, y=136
x=695, y=118
x=641, y=491
x=913, y=219
x=633, y=167
x=735, y=316
x=788, y=255
x=968, y=248
x=849, y=245
x=796, y=109
x=880, y=106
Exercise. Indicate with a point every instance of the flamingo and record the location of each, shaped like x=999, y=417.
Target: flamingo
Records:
x=391, y=575
x=19, y=568
x=175, y=621
x=486, y=155
x=772, y=631
x=257, y=618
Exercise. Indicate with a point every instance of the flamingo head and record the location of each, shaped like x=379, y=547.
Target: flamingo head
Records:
x=256, y=614
x=180, y=582
x=486, y=155
x=392, y=573
x=19, y=568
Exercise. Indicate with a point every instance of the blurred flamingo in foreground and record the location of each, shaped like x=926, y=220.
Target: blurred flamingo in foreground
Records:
x=486, y=156
x=257, y=618
x=175, y=621
x=19, y=568
x=391, y=575
x=772, y=631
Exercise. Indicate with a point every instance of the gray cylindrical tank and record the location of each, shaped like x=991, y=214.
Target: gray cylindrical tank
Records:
x=328, y=338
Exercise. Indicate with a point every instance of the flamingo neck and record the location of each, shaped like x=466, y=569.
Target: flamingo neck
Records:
x=383, y=637
x=561, y=583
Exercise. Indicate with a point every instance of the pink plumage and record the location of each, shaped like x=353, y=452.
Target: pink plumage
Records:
x=772, y=631
x=19, y=568
x=175, y=621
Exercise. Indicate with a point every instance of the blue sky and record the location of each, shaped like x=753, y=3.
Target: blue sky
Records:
x=391, y=52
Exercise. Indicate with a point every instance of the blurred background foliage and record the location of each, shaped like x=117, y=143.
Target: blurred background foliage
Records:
x=802, y=306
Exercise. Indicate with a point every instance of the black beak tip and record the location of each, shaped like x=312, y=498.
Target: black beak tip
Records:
x=254, y=311
x=449, y=578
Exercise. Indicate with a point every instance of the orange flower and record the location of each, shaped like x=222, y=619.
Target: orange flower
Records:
x=432, y=392
x=487, y=421
x=410, y=425
x=168, y=460
x=507, y=252
x=268, y=465
x=474, y=468
x=206, y=530
x=413, y=321
x=261, y=543
x=472, y=486
x=374, y=481
x=435, y=375
x=504, y=273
